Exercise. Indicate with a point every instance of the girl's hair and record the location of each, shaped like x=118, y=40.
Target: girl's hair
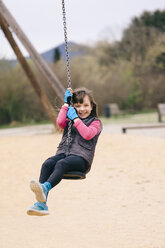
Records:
x=78, y=97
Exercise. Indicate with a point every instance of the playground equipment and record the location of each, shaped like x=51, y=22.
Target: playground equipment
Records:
x=8, y=23
x=9, y=26
x=73, y=174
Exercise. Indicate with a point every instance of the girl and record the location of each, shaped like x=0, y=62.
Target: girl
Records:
x=77, y=156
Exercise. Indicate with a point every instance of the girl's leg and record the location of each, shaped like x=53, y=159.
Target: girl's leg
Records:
x=60, y=165
x=69, y=163
x=48, y=167
x=42, y=187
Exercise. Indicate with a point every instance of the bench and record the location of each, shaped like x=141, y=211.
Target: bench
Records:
x=124, y=129
x=161, y=111
x=112, y=109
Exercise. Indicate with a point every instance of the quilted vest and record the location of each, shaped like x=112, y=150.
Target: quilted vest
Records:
x=79, y=146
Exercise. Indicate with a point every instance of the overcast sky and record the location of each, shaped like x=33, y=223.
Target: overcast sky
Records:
x=88, y=20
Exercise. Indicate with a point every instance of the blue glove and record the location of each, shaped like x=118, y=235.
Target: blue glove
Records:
x=71, y=114
x=68, y=96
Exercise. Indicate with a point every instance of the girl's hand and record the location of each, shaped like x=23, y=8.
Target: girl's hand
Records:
x=68, y=95
x=72, y=114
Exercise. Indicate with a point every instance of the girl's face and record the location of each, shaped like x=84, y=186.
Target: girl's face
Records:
x=83, y=109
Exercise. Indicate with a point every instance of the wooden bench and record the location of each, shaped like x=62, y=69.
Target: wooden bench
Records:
x=124, y=129
x=161, y=111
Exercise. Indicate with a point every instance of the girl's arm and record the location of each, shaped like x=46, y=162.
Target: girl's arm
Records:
x=88, y=132
x=61, y=119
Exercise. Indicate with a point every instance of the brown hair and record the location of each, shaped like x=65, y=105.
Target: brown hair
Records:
x=78, y=96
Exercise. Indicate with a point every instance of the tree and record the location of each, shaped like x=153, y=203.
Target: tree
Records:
x=154, y=19
x=142, y=34
x=57, y=54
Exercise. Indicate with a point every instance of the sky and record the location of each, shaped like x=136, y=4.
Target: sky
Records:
x=88, y=21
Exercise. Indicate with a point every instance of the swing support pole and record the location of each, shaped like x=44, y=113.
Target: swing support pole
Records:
x=41, y=94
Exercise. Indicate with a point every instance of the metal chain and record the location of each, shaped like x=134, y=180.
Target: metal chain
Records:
x=69, y=138
x=66, y=44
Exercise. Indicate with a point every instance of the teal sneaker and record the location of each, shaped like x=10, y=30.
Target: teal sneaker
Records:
x=38, y=209
x=40, y=190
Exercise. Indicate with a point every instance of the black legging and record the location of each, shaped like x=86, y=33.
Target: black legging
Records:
x=55, y=167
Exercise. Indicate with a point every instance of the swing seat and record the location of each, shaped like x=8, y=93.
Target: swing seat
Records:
x=74, y=175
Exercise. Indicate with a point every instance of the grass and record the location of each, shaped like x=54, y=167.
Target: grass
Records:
x=142, y=117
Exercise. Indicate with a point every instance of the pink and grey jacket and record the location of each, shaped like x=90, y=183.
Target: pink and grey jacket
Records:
x=84, y=133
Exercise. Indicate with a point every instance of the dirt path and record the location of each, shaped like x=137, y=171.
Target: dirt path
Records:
x=111, y=128
x=28, y=130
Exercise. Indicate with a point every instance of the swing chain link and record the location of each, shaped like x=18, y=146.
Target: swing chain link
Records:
x=69, y=138
x=66, y=44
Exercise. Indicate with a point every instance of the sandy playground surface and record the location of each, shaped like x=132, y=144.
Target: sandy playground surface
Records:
x=121, y=204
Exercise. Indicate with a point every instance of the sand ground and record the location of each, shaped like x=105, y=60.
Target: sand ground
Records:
x=121, y=204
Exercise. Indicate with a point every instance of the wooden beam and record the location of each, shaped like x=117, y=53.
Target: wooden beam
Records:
x=37, y=59
x=124, y=129
x=36, y=85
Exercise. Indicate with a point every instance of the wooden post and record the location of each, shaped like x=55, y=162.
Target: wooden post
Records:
x=39, y=91
x=37, y=59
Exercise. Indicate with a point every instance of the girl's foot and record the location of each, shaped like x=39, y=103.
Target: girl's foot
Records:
x=38, y=209
x=40, y=190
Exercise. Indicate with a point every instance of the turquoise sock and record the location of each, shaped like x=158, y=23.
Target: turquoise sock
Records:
x=48, y=185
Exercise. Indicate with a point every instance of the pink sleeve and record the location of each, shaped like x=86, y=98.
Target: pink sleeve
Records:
x=62, y=119
x=88, y=132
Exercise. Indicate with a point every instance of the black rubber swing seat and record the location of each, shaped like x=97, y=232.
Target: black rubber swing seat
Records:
x=75, y=175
